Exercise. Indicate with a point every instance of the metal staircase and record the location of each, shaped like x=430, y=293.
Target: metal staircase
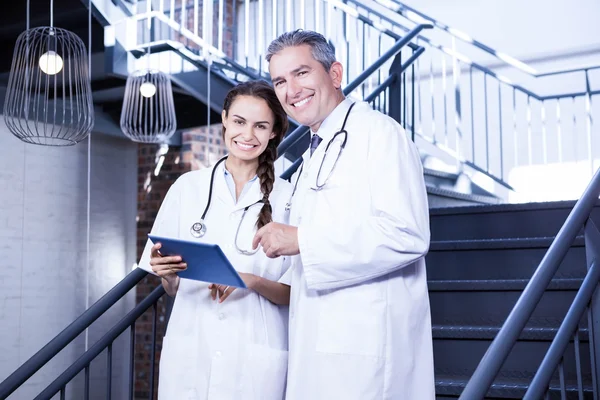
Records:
x=481, y=259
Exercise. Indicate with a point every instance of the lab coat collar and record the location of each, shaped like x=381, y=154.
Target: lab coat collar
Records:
x=222, y=191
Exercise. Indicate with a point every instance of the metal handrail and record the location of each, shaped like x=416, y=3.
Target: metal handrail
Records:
x=402, y=9
x=499, y=349
x=108, y=338
x=39, y=359
x=299, y=132
x=542, y=378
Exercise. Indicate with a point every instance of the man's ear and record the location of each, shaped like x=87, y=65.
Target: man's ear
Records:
x=336, y=72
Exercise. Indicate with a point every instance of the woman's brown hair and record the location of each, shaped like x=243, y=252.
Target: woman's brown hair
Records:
x=266, y=168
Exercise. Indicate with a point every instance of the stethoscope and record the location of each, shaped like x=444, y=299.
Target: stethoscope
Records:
x=318, y=186
x=198, y=229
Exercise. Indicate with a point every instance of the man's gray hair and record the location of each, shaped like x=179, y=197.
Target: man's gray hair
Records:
x=322, y=51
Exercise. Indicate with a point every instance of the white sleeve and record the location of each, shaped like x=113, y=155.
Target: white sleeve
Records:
x=345, y=252
x=165, y=224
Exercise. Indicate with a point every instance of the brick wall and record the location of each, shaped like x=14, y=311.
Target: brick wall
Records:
x=201, y=147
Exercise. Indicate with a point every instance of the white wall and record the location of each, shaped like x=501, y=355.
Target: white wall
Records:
x=43, y=251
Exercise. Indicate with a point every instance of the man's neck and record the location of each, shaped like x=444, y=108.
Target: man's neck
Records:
x=339, y=98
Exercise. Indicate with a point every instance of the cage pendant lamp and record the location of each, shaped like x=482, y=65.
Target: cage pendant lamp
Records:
x=49, y=97
x=148, y=112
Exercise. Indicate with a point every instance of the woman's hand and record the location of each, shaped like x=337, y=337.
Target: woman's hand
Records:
x=167, y=268
x=224, y=291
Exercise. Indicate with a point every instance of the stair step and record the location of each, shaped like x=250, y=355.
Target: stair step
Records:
x=497, y=285
x=450, y=386
x=490, y=332
x=485, y=244
x=533, y=220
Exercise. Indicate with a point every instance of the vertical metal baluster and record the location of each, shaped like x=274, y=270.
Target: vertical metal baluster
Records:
x=364, y=50
x=419, y=92
x=457, y=109
x=172, y=11
x=221, y=25
x=529, y=145
x=385, y=101
x=379, y=47
x=547, y=396
x=288, y=15
x=592, y=347
x=445, y=90
x=86, y=389
x=62, y=393
x=574, y=134
x=559, y=132
x=472, y=115
x=131, y=361
x=317, y=17
x=183, y=23
x=205, y=15
x=589, y=121
x=153, y=351
x=544, y=134
x=302, y=14
x=347, y=47
x=109, y=372
x=405, y=106
x=515, y=136
x=501, y=133
x=487, y=138
x=196, y=21
x=161, y=6
x=578, y=364
x=561, y=376
x=261, y=35
x=329, y=10
x=431, y=86
x=413, y=123
x=234, y=33
x=246, y=30
x=274, y=16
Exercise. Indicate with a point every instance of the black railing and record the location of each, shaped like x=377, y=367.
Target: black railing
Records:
x=39, y=359
x=501, y=346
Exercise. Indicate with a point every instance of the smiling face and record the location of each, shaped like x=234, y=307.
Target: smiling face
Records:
x=248, y=128
x=306, y=90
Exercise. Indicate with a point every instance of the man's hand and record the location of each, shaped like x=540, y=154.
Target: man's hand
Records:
x=277, y=240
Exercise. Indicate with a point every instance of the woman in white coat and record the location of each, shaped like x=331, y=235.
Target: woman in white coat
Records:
x=233, y=349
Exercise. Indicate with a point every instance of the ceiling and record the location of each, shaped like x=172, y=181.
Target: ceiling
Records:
x=107, y=90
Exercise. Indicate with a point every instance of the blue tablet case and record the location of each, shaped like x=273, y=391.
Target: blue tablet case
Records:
x=205, y=262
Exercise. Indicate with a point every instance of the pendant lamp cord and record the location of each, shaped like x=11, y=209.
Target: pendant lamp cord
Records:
x=89, y=169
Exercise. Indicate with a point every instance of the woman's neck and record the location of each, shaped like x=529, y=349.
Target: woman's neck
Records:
x=242, y=172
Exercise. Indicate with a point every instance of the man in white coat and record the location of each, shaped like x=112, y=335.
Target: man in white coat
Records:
x=360, y=325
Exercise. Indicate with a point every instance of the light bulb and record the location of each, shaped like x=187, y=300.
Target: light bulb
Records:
x=51, y=63
x=147, y=89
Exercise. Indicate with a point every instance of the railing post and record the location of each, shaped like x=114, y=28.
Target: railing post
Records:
x=395, y=99
x=592, y=253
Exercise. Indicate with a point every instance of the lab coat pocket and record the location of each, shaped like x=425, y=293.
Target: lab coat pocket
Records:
x=176, y=369
x=353, y=332
x=264, y=374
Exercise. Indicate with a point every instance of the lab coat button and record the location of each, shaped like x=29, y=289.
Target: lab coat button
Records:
x=218, y=354
x=221, y=316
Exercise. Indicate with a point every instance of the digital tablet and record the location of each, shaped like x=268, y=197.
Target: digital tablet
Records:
x=205, y=262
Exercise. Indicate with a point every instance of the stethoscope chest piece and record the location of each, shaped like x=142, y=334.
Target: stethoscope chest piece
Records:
x=198, y=229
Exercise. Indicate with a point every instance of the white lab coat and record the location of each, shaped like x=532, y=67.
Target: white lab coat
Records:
x=236, y=349
x=360, y=325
